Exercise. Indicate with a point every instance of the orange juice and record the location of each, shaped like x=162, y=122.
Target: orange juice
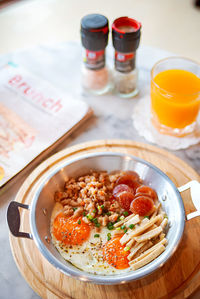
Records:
x=175, y=98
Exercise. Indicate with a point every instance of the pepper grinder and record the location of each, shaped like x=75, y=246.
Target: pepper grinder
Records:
x=126, y=38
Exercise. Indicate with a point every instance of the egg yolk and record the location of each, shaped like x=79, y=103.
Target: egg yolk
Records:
x=70, y=231
x=115, y=255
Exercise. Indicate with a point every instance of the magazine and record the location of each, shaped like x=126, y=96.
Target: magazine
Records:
x=33, y=116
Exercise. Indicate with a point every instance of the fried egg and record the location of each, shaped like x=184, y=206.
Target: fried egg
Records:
x=80, y=244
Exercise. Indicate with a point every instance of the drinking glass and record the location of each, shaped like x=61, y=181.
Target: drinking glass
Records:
x=175, y=96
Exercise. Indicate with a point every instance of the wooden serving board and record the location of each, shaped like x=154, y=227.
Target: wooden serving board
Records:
x=179, y=277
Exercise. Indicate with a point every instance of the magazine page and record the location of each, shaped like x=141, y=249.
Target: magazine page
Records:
x=33, y=116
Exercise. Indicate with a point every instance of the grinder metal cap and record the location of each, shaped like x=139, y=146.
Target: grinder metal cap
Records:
x=94, y=32
x=126, y=34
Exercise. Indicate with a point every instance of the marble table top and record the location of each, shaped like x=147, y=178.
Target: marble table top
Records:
x=60, y=65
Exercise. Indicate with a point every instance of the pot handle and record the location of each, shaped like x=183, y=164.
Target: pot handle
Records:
x=194, y=187
x=13, y=219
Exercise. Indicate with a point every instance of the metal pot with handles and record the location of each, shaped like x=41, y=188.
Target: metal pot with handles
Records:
x=43, y=202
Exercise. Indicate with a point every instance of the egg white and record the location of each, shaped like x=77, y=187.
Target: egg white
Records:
x=88, y=256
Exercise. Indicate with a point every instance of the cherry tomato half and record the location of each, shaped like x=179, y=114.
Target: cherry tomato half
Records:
x=130, y=180
x=147, y=191
x=133, y=173
x=121, y=188
x=125, y=198
x=142, y=205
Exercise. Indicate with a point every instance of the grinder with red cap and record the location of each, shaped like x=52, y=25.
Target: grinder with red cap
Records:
x=126, y=38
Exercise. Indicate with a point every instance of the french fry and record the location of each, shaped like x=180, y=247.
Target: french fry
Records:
x=137, y=231
x=157, y=206
x=164, y=223
x=149, y=235
x=154, y=214
x=151, y=227
x=130, y=243
x=161, y=236
x=134, y=220
x=126, y=237
x=144, y=221
x=144, y=227
x=145, y=253
x=162, y=241
x=146, y=246
x=161, y=218
x=146, y=240
x=148, y=258
x=124, y=220
x=134, y=250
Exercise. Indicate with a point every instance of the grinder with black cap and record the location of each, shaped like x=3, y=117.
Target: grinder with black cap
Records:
x=94, y=38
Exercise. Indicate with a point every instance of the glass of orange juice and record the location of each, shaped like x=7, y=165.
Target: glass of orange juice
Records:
x=175, y=95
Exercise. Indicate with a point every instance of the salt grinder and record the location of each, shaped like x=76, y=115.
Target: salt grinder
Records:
x=94, y=38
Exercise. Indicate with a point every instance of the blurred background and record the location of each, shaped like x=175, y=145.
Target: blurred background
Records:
x=171, y=25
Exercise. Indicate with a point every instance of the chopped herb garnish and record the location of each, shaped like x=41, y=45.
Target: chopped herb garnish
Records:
x=125, y=230
x=118, y=228
x=74, y=209
x=84, y=213
x=108, y=213
x=126, y=248
x=126, y=213
x=79, y=222
x=94, y=211
x=110, y=225
x=121, y=217
x=108, y=236
x=131, y=226
x=89, y=217
x=102, y=207
x=95, y=221
x=96, y=236
x=123, y=227
x=146, y=217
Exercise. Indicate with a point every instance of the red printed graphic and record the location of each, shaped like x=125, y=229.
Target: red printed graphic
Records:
x=24, y=88
x=123, y=57
x=15, y=133
x=93, y=54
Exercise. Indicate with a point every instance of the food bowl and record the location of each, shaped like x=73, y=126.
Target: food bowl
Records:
x=43, y=202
